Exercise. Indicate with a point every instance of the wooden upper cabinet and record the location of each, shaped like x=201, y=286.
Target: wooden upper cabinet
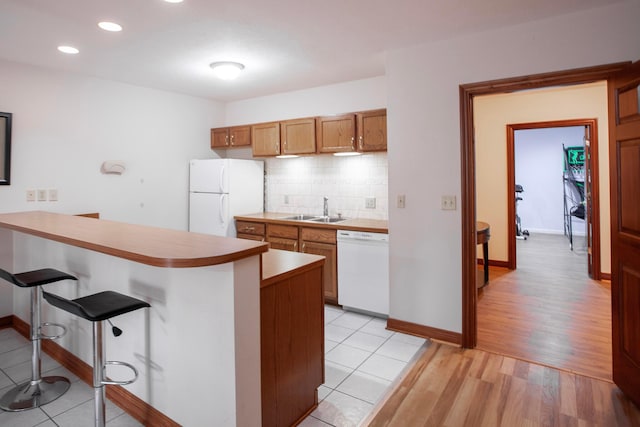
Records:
x=220, y=138
x=372, y=130
x=236, y=136
x=336, y=133
x=265, y=139
x=298, y=136
x=240, y=136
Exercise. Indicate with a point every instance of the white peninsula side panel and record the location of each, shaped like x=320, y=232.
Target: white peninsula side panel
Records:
x=197, y=348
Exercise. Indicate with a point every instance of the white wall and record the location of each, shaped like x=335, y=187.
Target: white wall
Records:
x=539, y=160
x=350, y=97
x=65, y=125
x=424, y=132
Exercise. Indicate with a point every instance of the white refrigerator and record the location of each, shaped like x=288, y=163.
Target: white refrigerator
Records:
x=219, y=189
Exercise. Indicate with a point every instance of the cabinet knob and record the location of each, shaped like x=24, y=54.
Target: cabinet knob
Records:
x=304, y=245
x=277, y=148
x=232, y=139
x=360, y=143
x=226, y=140
x=353, y=145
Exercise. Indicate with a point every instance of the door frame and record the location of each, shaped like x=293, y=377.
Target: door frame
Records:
x=592, y=186
x=467, y=167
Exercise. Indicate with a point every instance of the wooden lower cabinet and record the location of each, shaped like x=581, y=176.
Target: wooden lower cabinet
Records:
x=311, y=240
x=323, y=242
x=330, y=252
x=291, y=347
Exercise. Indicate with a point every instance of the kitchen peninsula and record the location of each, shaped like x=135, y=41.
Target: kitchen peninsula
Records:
x=198, y=348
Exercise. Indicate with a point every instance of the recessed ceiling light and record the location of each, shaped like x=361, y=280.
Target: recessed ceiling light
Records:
x=110, y=26
x=226, y=70
x=68, y=49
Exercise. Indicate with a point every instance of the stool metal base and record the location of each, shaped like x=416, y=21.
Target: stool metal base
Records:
x=33, y=394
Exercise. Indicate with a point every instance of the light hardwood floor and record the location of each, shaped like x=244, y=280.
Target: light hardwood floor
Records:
x=548, y=311
x=449, y=386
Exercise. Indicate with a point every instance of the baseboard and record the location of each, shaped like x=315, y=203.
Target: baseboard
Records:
x=605, y=276
x=424, y=331
x=6, y=322
x=130, y=403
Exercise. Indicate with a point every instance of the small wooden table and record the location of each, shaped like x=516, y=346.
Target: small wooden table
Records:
x=483, y=233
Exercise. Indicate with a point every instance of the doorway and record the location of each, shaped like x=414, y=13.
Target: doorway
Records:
x=580, y=189
x=468, y=168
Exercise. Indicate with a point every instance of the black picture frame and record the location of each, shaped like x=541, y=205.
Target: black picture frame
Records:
x=5, y=148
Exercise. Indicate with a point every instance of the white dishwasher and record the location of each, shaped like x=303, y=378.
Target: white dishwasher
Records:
x=363, y=271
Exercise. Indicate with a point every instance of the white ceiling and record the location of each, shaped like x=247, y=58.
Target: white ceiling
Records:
x=284, y=44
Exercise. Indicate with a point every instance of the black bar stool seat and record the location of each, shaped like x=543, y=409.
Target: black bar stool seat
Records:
x=97, y=308
x=39, y=390
x=101, y=306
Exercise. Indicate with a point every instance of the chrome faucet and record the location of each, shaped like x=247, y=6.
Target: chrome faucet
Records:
x=326, y=206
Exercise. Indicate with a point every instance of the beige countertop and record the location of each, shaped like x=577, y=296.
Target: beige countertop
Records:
x=368, y=225
x=147, y=245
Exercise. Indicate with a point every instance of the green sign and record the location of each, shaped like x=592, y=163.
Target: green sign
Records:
x=575, y=156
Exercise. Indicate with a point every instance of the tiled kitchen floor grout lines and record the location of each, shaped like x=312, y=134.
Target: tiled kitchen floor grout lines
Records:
x=362, y=361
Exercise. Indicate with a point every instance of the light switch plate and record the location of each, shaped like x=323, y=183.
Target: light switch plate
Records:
x=42, y=195
x=370, y=203
x=53, y=195
x=401, y=201
x=448, y=203
x=31, y=195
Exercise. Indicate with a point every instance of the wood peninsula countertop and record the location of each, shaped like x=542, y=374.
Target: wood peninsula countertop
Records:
x=154, y=246
x=279, y=265
x=355, y=224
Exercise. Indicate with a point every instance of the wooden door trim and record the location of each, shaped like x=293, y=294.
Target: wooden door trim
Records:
x=594, y=186
x=467, y=166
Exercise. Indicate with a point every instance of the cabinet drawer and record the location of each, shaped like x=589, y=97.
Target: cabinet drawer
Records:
x=285, y=231
x=318, y=235
x=250, y=237
x=284, y=244
x=247, y=227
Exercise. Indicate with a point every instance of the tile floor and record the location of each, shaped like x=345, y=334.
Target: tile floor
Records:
x=362, y=360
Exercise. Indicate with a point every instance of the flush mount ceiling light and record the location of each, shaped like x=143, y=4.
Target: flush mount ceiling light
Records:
x=173, y=1
x=226, y=70
x=110, y=26
x=68, y=49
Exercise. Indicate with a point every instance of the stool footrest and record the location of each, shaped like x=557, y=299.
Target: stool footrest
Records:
x=128, y=365
x=52, y=337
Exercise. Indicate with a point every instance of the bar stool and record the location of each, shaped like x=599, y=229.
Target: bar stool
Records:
x=40, y=390
x=97, y=308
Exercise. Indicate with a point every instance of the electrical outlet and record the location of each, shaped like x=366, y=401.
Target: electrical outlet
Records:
x=286, y=199
x=53, y=195
x=448, y=203
x=401, y=201
x=370, y=203
x=42, y=195
x=31, y=195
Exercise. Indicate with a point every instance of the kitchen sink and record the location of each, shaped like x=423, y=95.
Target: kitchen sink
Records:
x=329, y=219
x=301, y=217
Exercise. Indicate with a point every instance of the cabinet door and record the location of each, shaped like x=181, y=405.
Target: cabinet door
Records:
x=330, y=253
x=336, y=133
x=219, y=138
x=282, y=243
x=265, y=139
x=240, y=136
x=298, y=136
x=372, y=130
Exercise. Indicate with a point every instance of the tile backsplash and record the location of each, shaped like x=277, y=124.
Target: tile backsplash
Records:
x=298, y=185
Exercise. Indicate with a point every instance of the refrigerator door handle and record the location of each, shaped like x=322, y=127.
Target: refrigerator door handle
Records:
x=224, y=208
